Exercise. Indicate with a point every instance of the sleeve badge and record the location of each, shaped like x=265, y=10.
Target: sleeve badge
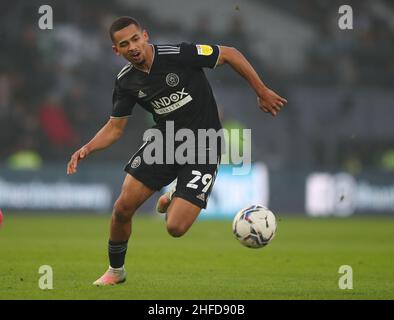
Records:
x=204, y=50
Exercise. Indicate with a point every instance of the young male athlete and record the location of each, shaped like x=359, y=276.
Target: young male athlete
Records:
x=169, y=82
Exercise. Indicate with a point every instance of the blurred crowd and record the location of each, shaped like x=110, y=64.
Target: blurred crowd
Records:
x=55, y=87
x=360, y=56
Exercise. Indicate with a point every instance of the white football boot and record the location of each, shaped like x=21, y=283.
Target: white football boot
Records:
x=111, y=277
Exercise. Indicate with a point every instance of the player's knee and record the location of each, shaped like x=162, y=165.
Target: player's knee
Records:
x=176, y=230
x=122, y=212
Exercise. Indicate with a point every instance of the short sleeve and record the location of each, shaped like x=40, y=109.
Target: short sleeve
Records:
x=122, y=102
x=200, y=55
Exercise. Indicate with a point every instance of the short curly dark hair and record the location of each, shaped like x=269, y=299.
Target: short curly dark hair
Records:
x=120, y=23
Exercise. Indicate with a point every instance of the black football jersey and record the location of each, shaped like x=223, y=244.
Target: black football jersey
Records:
x=175, y=88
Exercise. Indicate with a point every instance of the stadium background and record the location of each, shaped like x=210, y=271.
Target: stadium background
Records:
x=329, y=153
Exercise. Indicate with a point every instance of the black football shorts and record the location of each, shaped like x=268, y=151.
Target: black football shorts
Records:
x=195, y=181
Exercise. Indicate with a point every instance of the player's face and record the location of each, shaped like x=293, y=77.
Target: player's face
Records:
x=132, y=43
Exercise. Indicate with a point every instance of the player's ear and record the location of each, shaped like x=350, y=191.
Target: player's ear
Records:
x=115, y=49
x=145, y=35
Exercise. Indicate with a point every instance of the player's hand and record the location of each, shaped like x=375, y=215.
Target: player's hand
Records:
x=269, y=101
x=75, y=158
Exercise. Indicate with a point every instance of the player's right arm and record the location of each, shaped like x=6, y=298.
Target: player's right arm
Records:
x=107, y=135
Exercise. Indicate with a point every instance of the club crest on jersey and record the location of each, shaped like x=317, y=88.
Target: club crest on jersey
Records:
x=172, y=79
x=136, y=162
x=204, y=50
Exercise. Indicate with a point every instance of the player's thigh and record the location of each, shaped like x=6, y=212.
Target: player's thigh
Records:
x=134, y=193
x=194, y=185
x=181, y=214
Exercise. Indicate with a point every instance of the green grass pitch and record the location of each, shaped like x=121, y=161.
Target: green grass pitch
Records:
x=302, y=261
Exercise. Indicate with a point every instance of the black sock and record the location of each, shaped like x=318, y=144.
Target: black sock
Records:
x=117, y=253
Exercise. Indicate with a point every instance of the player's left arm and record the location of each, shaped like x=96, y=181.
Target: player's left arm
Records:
x=267, y=99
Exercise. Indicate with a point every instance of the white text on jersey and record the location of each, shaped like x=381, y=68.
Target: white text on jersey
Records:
x=171, y=103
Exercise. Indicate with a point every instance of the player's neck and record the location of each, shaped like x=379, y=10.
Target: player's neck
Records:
x=150, y=55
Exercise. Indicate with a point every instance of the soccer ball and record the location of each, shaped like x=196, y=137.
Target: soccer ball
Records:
x=254, y=226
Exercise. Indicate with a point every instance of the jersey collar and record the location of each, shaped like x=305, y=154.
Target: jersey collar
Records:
x=153, y=60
